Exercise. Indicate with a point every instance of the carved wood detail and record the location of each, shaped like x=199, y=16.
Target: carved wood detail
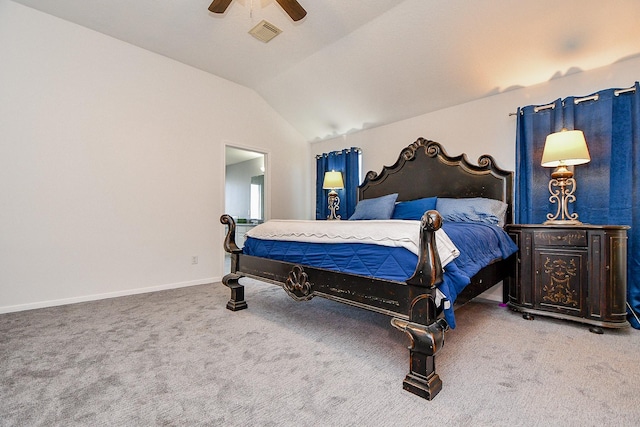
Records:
x=297, y=284
x=559, y=289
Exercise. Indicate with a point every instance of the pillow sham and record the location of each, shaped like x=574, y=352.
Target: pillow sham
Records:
x=413, y=209
x=474, y=209
x=377, y=208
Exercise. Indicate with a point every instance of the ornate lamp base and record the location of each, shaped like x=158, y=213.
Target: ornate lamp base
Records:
x=562, y=186
x=334, y=205
x=562, y=222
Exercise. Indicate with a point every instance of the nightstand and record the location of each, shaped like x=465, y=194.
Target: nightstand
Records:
x=573, y=272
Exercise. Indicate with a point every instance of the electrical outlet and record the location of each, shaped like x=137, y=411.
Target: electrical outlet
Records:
x=194, y=259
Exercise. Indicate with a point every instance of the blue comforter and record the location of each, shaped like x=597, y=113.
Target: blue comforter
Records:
x=479, y=246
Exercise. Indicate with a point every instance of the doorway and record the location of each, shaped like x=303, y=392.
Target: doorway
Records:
x=244, y=191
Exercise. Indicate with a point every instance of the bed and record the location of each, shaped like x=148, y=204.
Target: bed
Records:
x=420, y=302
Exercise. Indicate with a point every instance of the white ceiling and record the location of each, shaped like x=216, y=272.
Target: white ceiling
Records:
x=354, y=64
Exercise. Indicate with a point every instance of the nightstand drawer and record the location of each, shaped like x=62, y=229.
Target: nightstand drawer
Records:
x=560, y=238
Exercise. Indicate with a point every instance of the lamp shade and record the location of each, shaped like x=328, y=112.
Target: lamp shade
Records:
x=567, y=147
x=332, y=180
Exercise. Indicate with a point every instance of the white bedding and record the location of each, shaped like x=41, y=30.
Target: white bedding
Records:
x=394, y=233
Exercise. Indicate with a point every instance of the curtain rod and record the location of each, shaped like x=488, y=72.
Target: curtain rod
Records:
x=579, y=100
x=586, y=98
x=538, y=108
x=621, y=91
x=346, y=150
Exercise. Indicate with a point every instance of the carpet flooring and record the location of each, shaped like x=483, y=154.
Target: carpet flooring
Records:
x=178, y=357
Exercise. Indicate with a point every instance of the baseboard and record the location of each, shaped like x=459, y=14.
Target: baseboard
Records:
x=95, y=297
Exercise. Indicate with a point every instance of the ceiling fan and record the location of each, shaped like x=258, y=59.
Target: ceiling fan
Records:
x=292, y=7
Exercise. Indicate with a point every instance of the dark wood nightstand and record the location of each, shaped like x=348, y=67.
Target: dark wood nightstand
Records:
x=573, y=272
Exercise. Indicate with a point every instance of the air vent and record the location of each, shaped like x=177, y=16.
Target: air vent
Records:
x=265, y=31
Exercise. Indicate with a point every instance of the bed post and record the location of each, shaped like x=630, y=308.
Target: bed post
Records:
x=428, y=272
x=425, y=331
x=231, y=280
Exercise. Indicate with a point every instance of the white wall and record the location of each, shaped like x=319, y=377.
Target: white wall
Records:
x=476, y=128
x=479, y=127
x=112, y=164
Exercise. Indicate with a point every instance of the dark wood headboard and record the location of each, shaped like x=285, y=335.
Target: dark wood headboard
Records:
x=424, y=169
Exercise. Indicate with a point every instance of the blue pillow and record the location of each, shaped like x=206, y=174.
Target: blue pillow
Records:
x=414, y=209
x=378, y=208
x=474, y=209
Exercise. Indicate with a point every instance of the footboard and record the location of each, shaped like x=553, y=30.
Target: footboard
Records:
x=411, y=304
x=303, y=282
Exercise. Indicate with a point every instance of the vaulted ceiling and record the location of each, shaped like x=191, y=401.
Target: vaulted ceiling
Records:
x=354, y=64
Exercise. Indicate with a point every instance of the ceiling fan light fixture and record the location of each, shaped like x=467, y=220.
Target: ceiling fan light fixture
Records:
x=265, y=31
x=292, y=7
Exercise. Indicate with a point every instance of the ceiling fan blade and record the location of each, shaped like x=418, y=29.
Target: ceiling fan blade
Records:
x=219, y=6
x=293, y=8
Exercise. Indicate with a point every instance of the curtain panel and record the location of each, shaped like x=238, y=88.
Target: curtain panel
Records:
x=346, y=161
x=608, y=187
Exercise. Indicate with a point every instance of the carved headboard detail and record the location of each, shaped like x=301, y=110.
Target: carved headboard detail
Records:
x=428, y=171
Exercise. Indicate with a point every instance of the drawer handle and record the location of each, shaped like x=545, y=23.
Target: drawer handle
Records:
x=561, y=237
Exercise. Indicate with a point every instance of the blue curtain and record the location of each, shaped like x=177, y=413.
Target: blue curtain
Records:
x=346, y=161
x=608, y=187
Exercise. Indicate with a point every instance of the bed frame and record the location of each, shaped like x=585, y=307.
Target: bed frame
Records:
x=423, y=169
